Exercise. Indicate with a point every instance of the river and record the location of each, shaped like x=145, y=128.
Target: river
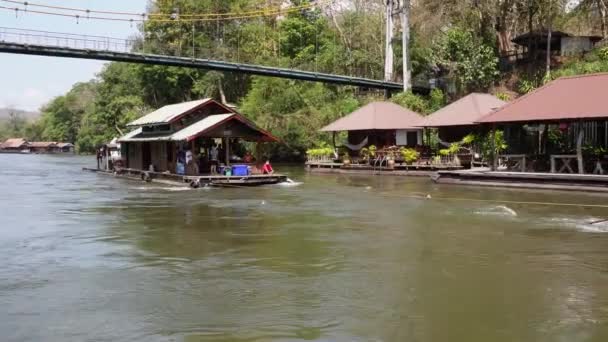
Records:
x=86, y=257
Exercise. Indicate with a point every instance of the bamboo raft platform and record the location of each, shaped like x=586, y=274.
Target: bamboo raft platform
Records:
x=201, y=180
x=528, y=180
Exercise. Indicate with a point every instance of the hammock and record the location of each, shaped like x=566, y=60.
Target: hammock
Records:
x=357, y=147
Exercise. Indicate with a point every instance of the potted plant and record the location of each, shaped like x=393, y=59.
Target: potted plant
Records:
x=372, y=151
x=409, y=155
x=364, y=154
x=345, y=159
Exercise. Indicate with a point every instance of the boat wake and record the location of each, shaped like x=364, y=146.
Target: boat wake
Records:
x=501, y=210
x=289, y=183
x=583, y=224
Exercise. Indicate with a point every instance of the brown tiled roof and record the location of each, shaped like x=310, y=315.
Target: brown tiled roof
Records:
x=13, y=143
x=42, y=144
x=568, y=98
x=377, y=115
x=465, y=111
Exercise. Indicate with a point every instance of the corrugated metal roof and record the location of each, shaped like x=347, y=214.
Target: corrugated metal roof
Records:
x=377, y=115
x=200, y=126
x=169, y=112
x=194, y=130
x=568, y=98
x=465, y=111
x=14, y=143
x=130, y=135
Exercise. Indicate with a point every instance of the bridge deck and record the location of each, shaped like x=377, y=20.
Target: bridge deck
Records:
x=131, y=57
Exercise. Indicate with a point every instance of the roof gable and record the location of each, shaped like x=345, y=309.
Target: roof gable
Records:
x=568, y=98
x=465, y=111
x=377, y=116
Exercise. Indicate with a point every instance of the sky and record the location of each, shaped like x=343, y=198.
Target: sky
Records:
x=29, y=82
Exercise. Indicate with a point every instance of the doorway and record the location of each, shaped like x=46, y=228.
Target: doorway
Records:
x=146, y=156
x=412, y=138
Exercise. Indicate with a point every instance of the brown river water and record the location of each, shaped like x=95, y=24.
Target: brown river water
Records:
x=85, y=257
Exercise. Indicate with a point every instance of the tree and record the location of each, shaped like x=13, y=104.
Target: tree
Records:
x=470, y=63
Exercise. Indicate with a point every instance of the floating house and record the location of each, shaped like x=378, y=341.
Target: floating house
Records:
x=177, y=139
x=65, y=147
x=381, y=136
x=556, y=135
x=15, y=145
x=381, y=124
x=459, y=118
x=43, y=147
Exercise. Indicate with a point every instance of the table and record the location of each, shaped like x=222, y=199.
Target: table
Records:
x=565, y=159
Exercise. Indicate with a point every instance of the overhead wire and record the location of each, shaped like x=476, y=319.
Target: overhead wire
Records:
x=132, y=20
x=210, y=16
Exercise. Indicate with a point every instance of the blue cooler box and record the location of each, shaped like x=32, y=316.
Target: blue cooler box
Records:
x=240, y=170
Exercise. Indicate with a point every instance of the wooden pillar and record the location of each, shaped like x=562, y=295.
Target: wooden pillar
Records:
x=579, y=149
x=494, y=154
x=333, y=138
x=107, y=158
x=227, y=150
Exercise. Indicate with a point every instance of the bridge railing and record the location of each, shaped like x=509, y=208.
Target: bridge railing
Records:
x=149, y=45
x=68, y=40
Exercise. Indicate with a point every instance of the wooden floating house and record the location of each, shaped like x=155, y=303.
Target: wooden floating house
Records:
x=15, y=145
x=380, y=124
x=18, y=145
x=454, y=121
x=388, y=127
x=175, y=142
x=557, y=137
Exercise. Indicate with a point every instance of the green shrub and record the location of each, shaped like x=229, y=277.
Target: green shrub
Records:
x=603, y=54
x=372, y=150
x=409, y=154
x=322, y=151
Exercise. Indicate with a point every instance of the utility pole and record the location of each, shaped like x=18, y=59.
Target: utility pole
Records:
x=405, y=26
x=394, y=7
x=388, y=44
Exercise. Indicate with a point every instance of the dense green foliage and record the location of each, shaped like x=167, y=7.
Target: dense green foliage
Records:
x=460, y=39
x=594, y=62
x=471, y=64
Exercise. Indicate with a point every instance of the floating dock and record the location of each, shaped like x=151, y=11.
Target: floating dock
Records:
x=528, y=180
x=201, y=180
x=397, y=170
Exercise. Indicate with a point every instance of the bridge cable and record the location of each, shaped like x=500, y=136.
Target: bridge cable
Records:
x=214, y=16
x=76, y=16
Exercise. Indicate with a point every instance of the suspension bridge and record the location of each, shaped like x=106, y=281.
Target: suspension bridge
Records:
x=70, y=45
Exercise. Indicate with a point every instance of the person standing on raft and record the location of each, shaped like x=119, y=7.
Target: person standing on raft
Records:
x=267, y=168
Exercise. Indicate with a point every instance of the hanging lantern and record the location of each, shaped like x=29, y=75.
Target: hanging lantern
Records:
x=563, y=126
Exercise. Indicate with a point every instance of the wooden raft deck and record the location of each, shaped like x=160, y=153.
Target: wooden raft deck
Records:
x=530, y=180
x=398, y=170
x=175, y=179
